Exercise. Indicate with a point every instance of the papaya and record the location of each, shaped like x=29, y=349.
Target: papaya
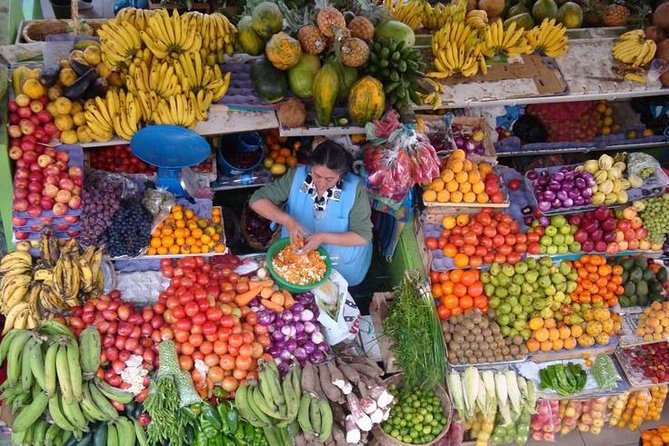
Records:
x=570, y=15
x=325, y=93
x=249, y=40
x=301, y=76
x=523, y=20
x=544, y=9
x=347, y=77
x=266, y=19
x=397, y=30
x=516, y=9
x=367, y=101
x=270, y=83
x=283, y=51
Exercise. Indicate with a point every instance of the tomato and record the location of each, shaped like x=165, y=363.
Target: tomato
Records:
x=504, y=249
x=458, y=241
x=443, y=276
x=247, y=336
x=521, y=238
x=260, y=329
x=443, y=312
x=533, y=237
x=498, y=240
x=200, y=294
x=431, y=243
x=184, y=324
x=500, y=258
x=256, y=350
x=181, y=335
x=235, y=340
x=243, y=362
x=251, y=318
x=227, y=321
x=178, y=272
x=466, y=302
x=203, y=279
x=185, y=362
x=170, y=302
x=187, y=348
x=468, y=250
x=213, y=314
x=470, y=239
x=227, y=362
x=177, y=312
x=520, y=247
x=510, y=239
x=513, y=258
x=264, y=340
x=234, y=277
x=475, y=261
x=241, y=287
x=191, y=309
x=434, y=276
x=227, y=296
x=489, y=231
x=200, y=318
x=504, y=229
x=481, y=302
x=209, y=328
x=185, y=297
x=196, y=339
x=489, y=258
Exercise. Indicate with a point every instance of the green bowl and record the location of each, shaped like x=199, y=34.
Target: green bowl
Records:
x=269, y=258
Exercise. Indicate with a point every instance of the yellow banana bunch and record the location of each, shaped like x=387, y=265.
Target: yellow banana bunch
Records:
x=453, y=59
x=635, y=77
x=100, y=116
x=126, y=121
x=457, y=34
x=135, y=16
x=177, y=110
x=408, y=12
x=160, y=77
x=477, y=19
x=634, y=49
x=218, y=34
x=195, y=75
x=434, y=17
x=119, y=42
x=169, y=36
x=549, y=38
x=510, y=41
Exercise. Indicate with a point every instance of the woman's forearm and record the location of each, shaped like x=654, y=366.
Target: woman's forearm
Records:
x=348, y=238
x=272, y=212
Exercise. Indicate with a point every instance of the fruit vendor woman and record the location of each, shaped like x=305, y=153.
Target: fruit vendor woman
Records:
x=327, y=205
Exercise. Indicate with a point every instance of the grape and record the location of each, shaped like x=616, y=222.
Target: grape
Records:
x=655, y=218
x=101, y=201
x=130, y=229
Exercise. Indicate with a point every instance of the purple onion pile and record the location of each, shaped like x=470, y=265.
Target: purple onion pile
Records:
x=295, y=333
x=465, y=141
x=563, y=189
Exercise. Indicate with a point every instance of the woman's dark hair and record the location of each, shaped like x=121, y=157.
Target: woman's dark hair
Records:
x=331, y=155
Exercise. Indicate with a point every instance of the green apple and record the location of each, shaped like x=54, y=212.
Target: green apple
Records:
x=551, y=230
x=564, y=230
x=519, y=325
x=569, y=239
x=494, y=301
x=558, y=221
x=563, y=249
x=574, y=247
x=551, y=250
x=558, y=239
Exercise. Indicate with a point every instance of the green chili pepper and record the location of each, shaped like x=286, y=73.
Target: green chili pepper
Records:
x=233, y=420
x=227, y=441
x=223, y=408
x=209, y=414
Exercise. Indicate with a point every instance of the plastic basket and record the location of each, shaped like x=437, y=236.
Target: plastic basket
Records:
x=278, y=246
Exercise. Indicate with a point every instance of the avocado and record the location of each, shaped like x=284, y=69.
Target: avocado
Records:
x=636, y=274
x=626, y=276
x=624, y=301
x=642, y=288
x=641, y=262
x=655, y=287
x=643, y=300
x=634, y=301
x=662, y=274
x=627, y=263
x=648, y=274
x=630, y=289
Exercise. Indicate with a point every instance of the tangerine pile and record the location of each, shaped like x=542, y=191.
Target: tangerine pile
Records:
x=458, y=291
x=482, y=238
x=464, y=181
x=183, y=232
x=548, y=335
x=597, y=282
x=280, y=154
x=656, y=437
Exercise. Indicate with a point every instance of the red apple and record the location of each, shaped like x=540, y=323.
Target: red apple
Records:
x=62, y=227
x=52, y=180
x=46, y=203
x=21, y=205
x=52, y=170
x=27, y=145
x=44, y=99
x=36, y=176
x=13, y=119
x=20, y=193
x=44, y=160
x=18, y=221
x=27, y=126
x=22, y=100
x=15, y=152
x=46, y=220
x=41, y=136
x=66, y=183
x=50, y=190
x=12, y=106
x=51, y=129
x=78, y=181
x=71, y=219
x=34, y=198
x=63, y=196
x=641, y=233
x=74, y=171
x=39, y=148
x=61, y=166
x=21, y=235
x=35, y=228
x=22, y=173
x=36, y=106
x=62, y=156
x=44, y=116
x=59, y=209
x=35, y=186
x=73, y=233
x=34, y=210
x=74, y=202
x=14, y=131
x=34, y=167
x=35, y=120
x=76, y=190
x=24, y=112
x=50, y=151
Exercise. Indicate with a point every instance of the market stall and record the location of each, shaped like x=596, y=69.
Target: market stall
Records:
x=508, y=157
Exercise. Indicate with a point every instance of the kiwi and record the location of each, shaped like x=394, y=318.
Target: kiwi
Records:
x=518, y=340
x=478, y=338
x=514, y=350
x=476, y=330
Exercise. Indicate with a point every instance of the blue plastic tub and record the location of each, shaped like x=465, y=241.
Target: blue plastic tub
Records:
x=245, y=144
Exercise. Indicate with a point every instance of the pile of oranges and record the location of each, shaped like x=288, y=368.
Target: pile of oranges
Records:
x=464, y=181
x=183, y=232
x=656, y=437
x=547, y=335
x=458, y=291
x=597, y=282
x=280, y=154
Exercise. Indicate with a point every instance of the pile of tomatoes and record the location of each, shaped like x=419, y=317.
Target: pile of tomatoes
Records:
x=206, y=324
x=458, y=291
x=483, y=238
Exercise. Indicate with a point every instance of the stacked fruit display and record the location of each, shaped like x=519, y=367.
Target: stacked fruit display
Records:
x=32, y=289
x=653, y=213
x=654, y=322
x=610, y=184
x=491, y=236
x=183, y=232
x=650, y=360
x=643, y=281
x=558, y=237
x=599, y=281
x=465, y=181
x=50, y=368
x=29, y=122
x=119, y=158
x=459, y=291
x=561, y=188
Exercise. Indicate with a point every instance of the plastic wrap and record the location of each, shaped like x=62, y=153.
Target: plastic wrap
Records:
x=593, y=416
x=398, y=158
x=636, y=410
x=615, y=406
x=545, y=422
x=570, y=412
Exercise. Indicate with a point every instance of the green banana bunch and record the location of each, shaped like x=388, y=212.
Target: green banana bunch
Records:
x=315, y=417
x=399, y=68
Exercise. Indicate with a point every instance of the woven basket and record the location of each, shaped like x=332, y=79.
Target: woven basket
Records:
x=383, y=439
x=251, y=241
x=37, y=30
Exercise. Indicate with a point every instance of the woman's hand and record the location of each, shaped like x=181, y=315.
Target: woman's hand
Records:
x=313, y=242
x=295, y=231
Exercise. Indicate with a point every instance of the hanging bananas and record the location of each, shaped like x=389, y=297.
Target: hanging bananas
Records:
x=409, y=12
x=218, y=34
x=160, y=77
x=509, y=41
x=169, y=36
x=434, y=17
x=195, y=75
x=119, y=42
x=178, y=110
x=549, y=38
x=455, y=59
x=477, y=19
x=457, y=34
x=633, y=48
x=135, y=16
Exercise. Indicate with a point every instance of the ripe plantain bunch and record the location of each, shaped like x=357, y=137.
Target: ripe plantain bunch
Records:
x=63, y=278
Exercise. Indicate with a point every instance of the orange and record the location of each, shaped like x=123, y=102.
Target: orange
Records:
x=461, y=260
x=291, y=161
x=443, y=196
x=451, y=301
x=469, y=277
x=178, y=215
x=180, y=224
x=452, y=186
x=474, y=176
x=429, y=196
x=482, y=198
x=450, y=250
x=155, y=242
x=484, y=169
x=448, y=222
x=456, y=165
x=220, y=247
x=447, y=288
x=174, y=249
x=469, y=197
x=478, y=187
x=447, y=175
x=456, y=197
x=459, y=290
x=456, y=275
x=536, y=323
x=285, y=152
x=205, y=238
x=437, y=184
x=180, y=241
x=467, y=165
x=465, y=187
x=161, y=250
x=166, y=230
x=546, y=346
x=462, y=219
x=458, y=154
x=461, y=177
x=167, y=242
x=533, y=345
x=541, y=334
x=466, y=302
x=151, y=251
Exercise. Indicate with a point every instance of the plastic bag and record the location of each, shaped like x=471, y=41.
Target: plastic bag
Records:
x=545, y=422
x=592, y=417
x=338, y=313
x=398, y=158
x=615, y=406
x=517, y=432
x=570, y=412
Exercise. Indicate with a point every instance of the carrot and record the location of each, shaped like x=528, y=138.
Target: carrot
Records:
x=261, y=283
x=271, y=305
x=288, y=301
x=244, y=298
x=266, y=292
x=277, y=298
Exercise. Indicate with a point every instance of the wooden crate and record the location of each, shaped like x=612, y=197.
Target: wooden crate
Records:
x=378, y=310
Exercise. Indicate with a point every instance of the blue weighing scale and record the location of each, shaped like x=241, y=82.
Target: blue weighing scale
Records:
x=171, y=149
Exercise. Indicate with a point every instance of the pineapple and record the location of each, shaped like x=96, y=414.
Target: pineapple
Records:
x=361, y=28
x=616, y=15
x=311, y=40
x=354, y=52
x=592, y=12
x=329, y=18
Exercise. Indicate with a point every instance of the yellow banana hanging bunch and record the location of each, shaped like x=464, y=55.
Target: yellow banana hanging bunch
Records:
x=633, y=48
x=135, y=16
x=195, y=75
x=509, y=41
x=169, y=36
x=119, y=43
x=408, y=12
x=457, y=34
x=434, y=17
x=178, y=110
x=549, y=38
x=119, y=113
x=453, y=59
x=218, y=34
x=160, y=77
